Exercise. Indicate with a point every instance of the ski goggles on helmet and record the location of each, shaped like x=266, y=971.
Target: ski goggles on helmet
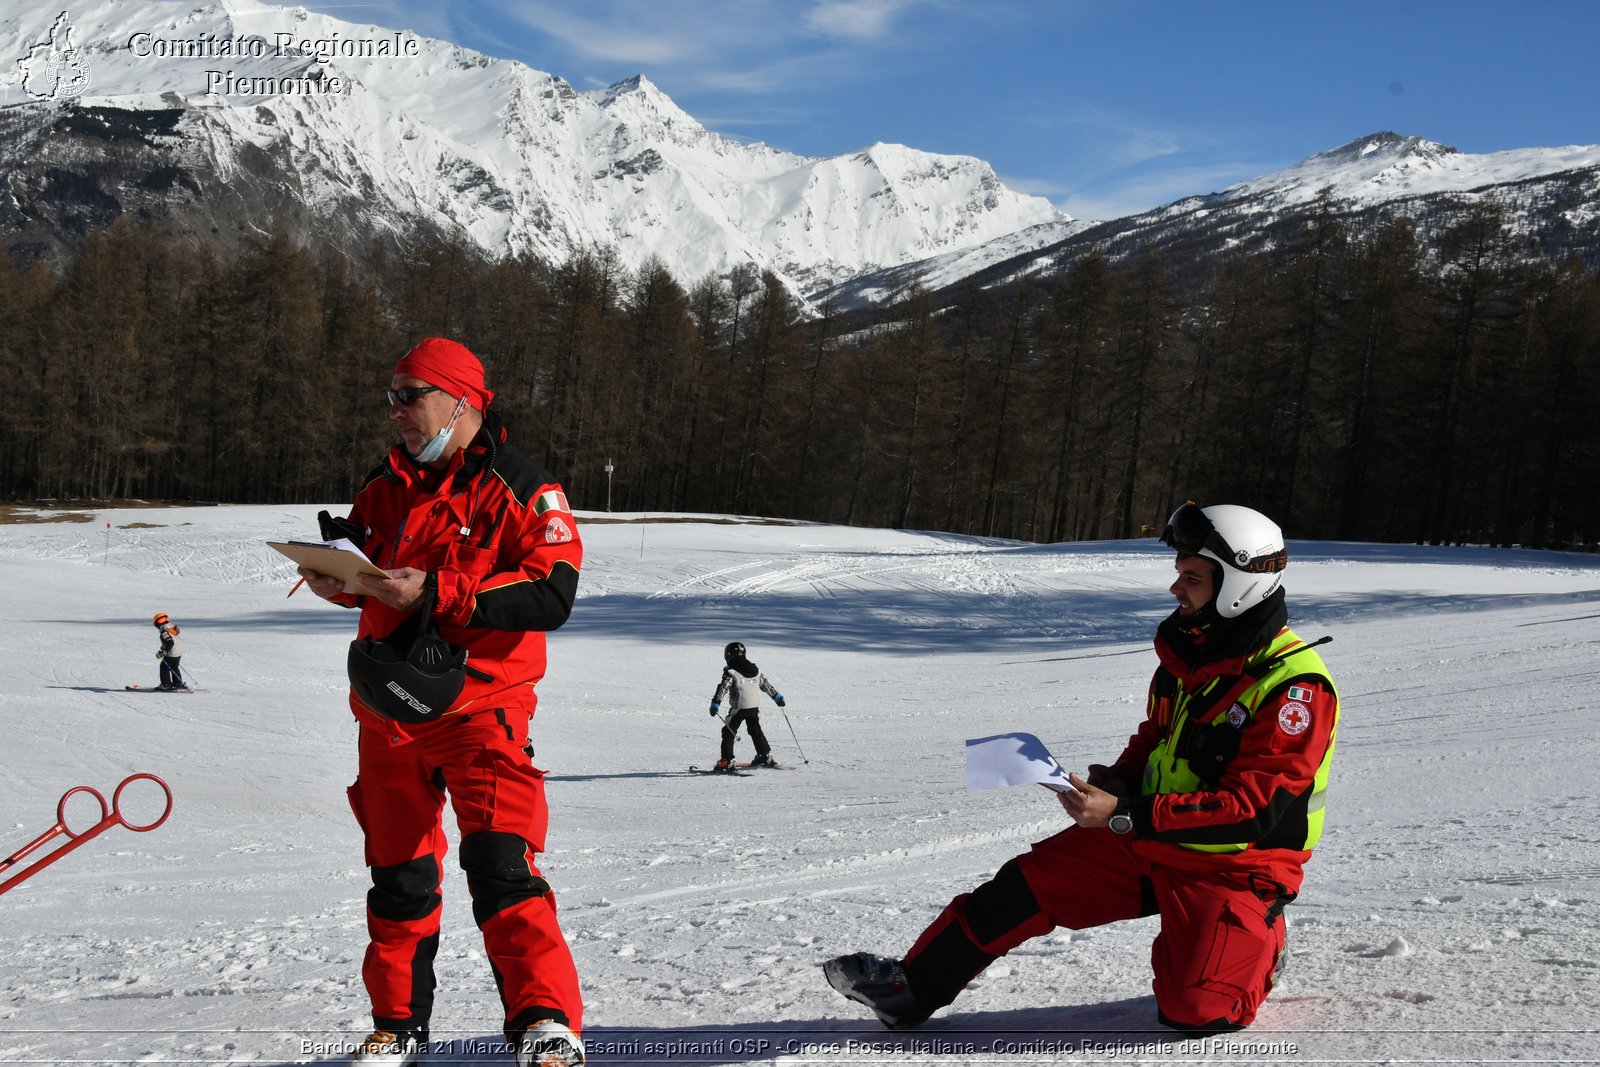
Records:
x=1192, y=533
x=1189, y=531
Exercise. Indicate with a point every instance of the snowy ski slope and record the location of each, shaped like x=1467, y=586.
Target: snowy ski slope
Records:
x=1451, y=914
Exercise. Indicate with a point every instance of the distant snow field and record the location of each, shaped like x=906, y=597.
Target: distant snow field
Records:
x=1451, y=914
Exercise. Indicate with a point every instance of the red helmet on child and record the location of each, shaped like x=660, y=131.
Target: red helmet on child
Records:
x=161, y=619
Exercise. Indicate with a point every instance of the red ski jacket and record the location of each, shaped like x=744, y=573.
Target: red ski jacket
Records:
x=498, y=535
x=1230, y=766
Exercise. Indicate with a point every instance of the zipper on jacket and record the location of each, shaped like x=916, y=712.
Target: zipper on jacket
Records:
x=399, y=538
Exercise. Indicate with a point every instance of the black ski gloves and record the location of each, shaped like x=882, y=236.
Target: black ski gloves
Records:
x=333, y=529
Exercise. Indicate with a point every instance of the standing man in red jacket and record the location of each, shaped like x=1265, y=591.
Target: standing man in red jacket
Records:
x=481, y=554
x=1206, y=818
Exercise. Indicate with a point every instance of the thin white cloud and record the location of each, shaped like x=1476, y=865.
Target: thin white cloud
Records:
x=1046, y=187
x=1129, y=195
x=1132, y=145
x=613, y=37
x=735, y=46
x=1126, y=165
x=861, y=20
x=1119, y=140
x=774, y=73
x=722, y=121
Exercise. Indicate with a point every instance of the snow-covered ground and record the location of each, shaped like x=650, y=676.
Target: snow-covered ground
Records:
x=1452, y=913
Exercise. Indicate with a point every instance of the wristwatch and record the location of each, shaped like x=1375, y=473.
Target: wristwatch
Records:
x=1121, y=822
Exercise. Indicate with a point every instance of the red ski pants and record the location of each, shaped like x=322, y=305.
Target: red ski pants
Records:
x=1214, y=958
x=480, y=761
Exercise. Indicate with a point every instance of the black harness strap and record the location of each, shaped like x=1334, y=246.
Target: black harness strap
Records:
x=1275, y=894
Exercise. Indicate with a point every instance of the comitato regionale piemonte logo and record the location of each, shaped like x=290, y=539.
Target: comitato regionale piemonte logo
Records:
x=54, y=68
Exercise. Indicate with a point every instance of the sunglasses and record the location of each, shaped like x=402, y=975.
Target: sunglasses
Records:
x=410, y=394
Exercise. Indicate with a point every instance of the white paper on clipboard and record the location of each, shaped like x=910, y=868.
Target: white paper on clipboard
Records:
x=338, y=559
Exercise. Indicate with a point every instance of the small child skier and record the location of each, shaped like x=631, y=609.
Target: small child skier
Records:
x=743, y=683
x=170, y=654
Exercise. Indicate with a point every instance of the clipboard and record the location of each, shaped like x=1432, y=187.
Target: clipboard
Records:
x=341, y=563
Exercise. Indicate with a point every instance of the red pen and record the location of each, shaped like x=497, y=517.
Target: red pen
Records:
x=296, y=588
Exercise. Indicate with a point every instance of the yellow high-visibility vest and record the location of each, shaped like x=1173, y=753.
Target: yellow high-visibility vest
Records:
x=1285, y=661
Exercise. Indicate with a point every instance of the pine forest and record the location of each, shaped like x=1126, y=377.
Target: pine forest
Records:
x=1358, y=381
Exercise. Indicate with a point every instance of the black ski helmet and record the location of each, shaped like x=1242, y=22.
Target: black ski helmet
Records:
x=413, y=675
x=734, y=651
x=415, y=685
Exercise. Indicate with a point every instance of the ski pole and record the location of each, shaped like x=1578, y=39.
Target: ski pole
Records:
x=790, y=725
x=109, y=816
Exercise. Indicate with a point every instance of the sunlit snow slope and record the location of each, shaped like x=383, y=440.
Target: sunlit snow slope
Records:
x=1449, y=915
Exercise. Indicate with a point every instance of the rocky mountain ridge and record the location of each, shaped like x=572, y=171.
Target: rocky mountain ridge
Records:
x=223, y=120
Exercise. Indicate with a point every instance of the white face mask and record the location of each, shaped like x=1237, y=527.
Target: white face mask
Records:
x=435, y=448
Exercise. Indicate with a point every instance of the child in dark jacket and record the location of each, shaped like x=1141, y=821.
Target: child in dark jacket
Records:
x=169, y=654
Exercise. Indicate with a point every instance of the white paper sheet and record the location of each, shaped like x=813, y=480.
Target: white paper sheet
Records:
x=1013, y=759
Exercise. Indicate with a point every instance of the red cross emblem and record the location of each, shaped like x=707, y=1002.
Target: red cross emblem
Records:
x=1294, y=718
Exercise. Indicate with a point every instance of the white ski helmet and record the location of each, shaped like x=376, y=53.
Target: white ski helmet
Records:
x=1248, y=546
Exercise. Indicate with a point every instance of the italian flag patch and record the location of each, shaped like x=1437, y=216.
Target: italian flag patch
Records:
x=554, y=500
x=1299, y=692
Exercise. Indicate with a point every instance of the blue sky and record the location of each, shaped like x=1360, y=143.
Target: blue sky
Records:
x=1104, y=106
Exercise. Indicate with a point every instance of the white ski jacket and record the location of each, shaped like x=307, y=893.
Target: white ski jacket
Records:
x=743, y=692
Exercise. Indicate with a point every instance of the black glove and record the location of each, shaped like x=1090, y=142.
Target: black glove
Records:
x=715, y=705
x=333, y=529
x=778, y=700
x=1108, y=778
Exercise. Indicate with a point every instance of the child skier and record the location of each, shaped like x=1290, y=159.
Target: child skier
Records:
x=744, y=683
x=169, y=655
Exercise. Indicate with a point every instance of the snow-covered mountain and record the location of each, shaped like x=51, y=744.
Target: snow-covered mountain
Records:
x=227, y=117
x=1550, y=198
x=1386, y=166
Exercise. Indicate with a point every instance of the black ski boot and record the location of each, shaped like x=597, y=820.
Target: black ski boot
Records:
x=880, y=984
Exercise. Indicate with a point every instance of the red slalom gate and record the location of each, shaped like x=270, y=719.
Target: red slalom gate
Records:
x=110, y=815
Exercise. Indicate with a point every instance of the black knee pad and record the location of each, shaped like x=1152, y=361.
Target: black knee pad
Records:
x=406, y=891
x=497, y=873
